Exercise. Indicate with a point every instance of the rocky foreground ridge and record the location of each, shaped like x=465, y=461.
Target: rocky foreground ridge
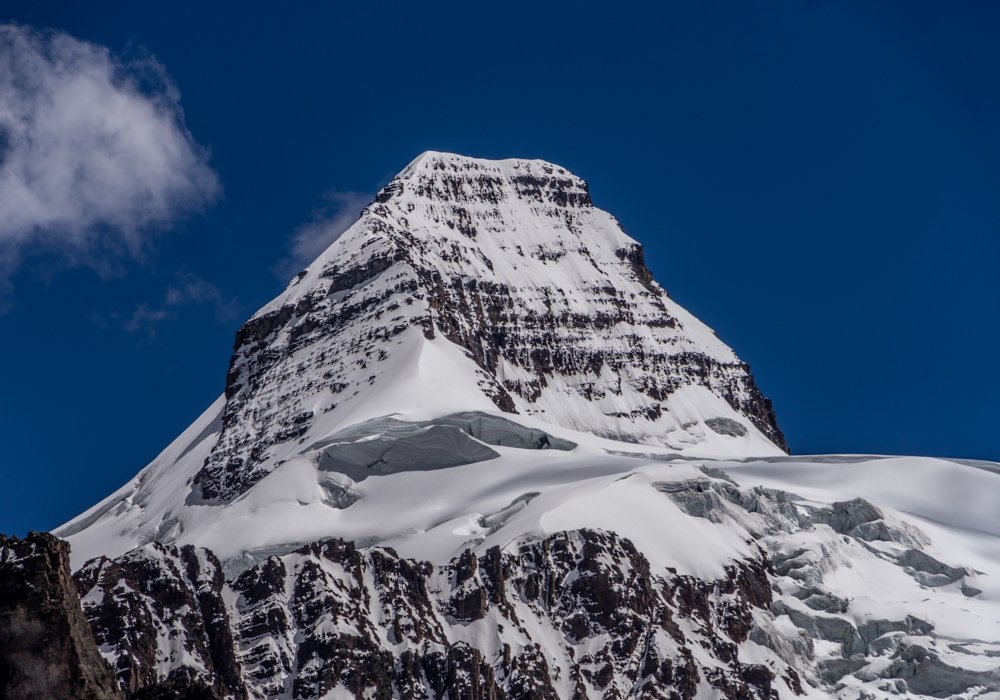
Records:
x=47, y=648
x=331, y=618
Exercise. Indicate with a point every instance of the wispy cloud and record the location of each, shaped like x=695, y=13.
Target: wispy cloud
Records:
x=188, y=289
x=192, y=289
x=94, y=153
x=328, y=223
x=145, y=318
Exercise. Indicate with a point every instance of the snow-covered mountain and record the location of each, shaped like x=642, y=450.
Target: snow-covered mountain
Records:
x=476, y=451
x=467, y=285
x=473, y=284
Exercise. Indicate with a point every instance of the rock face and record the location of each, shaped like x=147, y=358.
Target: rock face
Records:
x=161, y=610
x=548, y=302
x=47, y=649
x=579, y=614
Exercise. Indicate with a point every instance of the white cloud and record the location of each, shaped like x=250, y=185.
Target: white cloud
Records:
x=328, y=223
x=94, y=154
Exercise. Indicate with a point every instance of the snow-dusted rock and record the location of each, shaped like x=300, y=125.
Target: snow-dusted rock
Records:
x=159, y=618
x=577, y=614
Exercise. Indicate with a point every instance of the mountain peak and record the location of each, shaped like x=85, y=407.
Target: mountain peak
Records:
x=440, y=161
x=448, y=177
x=467, y=285
x=504, y=274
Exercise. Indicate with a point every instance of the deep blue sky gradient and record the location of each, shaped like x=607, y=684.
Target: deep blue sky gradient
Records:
x=818, y=181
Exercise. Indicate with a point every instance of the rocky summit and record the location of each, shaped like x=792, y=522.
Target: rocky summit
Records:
x=476, y=452
x=546, y=305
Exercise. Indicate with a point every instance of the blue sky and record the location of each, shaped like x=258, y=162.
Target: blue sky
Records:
x=818, y=181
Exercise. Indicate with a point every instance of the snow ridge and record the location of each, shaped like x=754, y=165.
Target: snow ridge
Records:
x=720, y=590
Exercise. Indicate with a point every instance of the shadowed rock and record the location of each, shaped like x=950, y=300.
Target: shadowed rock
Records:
x=47, y=649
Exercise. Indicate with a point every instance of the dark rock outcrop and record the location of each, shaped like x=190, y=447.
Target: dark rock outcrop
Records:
x=375, y=625
x=159, y=607
x=47, y=649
